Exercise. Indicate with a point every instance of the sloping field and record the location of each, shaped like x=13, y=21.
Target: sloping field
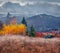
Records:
x=21, y=44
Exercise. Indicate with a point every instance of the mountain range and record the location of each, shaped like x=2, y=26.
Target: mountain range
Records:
x=44, y=22
x=16, y=8
x=30, y=9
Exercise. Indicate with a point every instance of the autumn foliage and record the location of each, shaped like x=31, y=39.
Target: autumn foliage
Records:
x=13, y=29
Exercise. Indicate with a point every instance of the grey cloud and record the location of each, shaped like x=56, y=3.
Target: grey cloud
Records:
x=33, y=0
x=40, y=6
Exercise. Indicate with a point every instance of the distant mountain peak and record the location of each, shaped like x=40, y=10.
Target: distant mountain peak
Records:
x=44, y=15
x=10, y=4
x=44, y=22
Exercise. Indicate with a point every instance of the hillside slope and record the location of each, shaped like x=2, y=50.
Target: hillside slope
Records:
x=44, y=22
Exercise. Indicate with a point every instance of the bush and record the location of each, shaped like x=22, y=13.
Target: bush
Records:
x=49, y=36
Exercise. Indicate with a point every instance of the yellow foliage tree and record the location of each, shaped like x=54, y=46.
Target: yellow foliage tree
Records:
x=13, y=29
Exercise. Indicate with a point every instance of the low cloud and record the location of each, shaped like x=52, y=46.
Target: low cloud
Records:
x=37, y=6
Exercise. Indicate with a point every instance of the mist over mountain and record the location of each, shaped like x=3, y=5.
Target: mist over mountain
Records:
x=30, y=9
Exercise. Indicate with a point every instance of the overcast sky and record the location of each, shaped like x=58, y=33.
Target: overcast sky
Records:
x=32, y=1
x=54, y=5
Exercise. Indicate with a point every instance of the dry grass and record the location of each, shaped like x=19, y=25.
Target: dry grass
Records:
x=21, y=44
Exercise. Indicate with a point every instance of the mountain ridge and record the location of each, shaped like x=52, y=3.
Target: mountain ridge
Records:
x=29, y=9
x=44, y=22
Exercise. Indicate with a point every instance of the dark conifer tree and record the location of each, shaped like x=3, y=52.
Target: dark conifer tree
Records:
x=25, y=23
x=8, y=18
x=32, y=32
x=1, y=25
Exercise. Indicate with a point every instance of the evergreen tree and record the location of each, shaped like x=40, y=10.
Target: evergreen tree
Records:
x=24, y=21
x=1, y=25
x=32, y=31
x=8, y=18
x=8, y=15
